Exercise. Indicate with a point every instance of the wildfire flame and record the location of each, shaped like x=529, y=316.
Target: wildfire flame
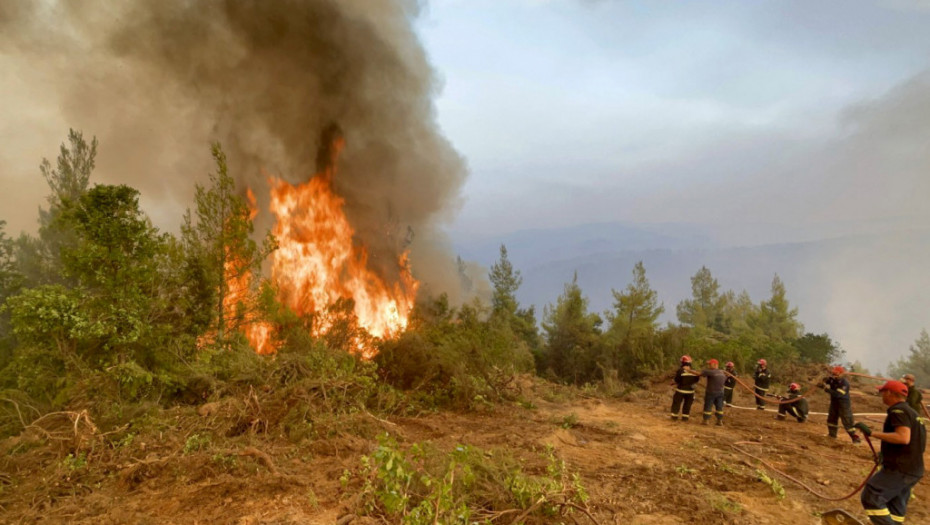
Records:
x=317, y=263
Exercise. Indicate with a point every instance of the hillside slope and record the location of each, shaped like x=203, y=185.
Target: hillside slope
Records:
x=637, y=466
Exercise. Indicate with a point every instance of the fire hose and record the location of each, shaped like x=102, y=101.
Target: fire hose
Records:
x=868, y=440
x=803, y=485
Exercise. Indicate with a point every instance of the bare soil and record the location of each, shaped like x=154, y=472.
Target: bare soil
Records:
x=637, y=465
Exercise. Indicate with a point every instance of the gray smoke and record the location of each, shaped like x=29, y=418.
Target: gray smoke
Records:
x=158, y=81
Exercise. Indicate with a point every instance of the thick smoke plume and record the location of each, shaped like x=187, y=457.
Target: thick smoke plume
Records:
x=157, y=82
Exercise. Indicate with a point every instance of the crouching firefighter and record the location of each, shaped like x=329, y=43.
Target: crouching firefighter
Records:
x=794, y=405
x=837, y=387
x=685, y=379
x=904, y=440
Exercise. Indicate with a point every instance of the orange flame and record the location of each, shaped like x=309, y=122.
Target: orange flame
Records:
x=317, y=263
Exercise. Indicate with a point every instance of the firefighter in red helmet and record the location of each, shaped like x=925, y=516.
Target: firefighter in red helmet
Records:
x=763, y=379
x=683, y=398
x=730, y=383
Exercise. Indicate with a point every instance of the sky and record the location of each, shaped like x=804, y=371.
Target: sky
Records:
x=767, y=121
x=804, y=115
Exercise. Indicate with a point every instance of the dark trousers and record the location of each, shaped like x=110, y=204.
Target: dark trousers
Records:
x=714, y=401
x=683, y=402
x=760, y=401
x=840, y=409
x=795, y=410
x=885, y=496
x=728, y=395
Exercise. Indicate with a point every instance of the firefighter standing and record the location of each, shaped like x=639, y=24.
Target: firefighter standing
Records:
x=904, y=440
x=797, y=409
x=837, y=387
x=915, y=398
x=763, y=379
x=729, y=384
x=685, y=379
x=713, y=394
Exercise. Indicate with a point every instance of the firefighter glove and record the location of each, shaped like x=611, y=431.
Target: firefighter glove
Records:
x=863, y=428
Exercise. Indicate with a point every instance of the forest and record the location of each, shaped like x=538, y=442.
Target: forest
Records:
x=108, y=324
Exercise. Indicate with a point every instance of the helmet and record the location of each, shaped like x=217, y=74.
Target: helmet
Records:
x=713, y=362
x=838, y=370
x=762, y=362
x=730, y=364
x=794, y=387
x=686, y=359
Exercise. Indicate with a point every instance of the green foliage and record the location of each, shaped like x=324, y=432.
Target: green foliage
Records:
x=724, y=504
x=706, y=307
x=916, y=362
x=73, y=462
x=467, y=485
x=505, y=308
x=777, y=488
x=776, y=319
x=454, y=357
x=631, y=335
x=196, y=442
x=820, y=348
x=220, y=249
x=574, y=343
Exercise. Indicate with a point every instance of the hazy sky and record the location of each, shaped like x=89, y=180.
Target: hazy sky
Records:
x=803, y=113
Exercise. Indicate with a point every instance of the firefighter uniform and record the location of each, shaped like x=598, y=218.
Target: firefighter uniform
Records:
x=685, y=379
x=798, y=409
x=729, y=385
x=763, y=379
x=887, y=492
x=840, y=406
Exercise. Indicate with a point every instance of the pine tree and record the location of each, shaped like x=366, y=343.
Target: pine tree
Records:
x=706, y=307
x=777, y=320
x=917, y=361
x=573, y=342
x=633, y=324
x=220, y=246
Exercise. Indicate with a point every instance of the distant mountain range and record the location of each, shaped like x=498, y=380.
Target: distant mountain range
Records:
x=870, y=292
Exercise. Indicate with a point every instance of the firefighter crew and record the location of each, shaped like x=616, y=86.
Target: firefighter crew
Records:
x=763, y=379
x=837, y=387
x=685, y=379
x=729, y=384
x=904, y=440
x=797, y=409
x=915, y=398
x=713, y=394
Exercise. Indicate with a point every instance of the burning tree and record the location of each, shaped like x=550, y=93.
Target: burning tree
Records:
x=222, y=257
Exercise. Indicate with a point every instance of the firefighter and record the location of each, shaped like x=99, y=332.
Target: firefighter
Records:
x=915, y=398
x=763, y=379
x=797, y=409
x=713, y=394
x=837, y=387
x=904, y=440
x=729, y=384
x=685, y=379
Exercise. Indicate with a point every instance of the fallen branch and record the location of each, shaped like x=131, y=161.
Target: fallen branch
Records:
x=262, y=457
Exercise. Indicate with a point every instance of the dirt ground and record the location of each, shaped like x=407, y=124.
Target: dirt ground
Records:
x=637, y=465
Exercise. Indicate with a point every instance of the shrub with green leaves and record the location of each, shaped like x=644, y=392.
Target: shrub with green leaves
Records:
x=421, y=485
